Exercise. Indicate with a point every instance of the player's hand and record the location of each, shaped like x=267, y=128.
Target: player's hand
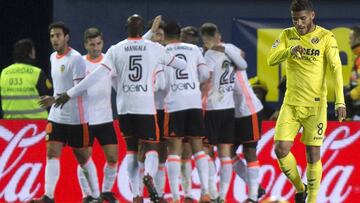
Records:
x=242, y=53
x=341, y=113
x=61, y=100
x=297, y=51
x=46, y=101
x=219, y=48
x=156, y=24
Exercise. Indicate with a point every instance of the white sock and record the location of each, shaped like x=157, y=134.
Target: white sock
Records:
x=174, y=172
x=212, y=179
x=110, y=171
x=52, y=173
x=151, y=163
x=84, y=185
x=141, y=176
x=253, y=175
x=186, y=182
x=160, y=179
x=202, y=166
x=90, y=173
x=240, y=169
x=225, y=176
x=133, y=173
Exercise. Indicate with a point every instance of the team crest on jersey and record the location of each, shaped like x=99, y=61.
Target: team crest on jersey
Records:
x=315, y=40
x=62, y=68
x=276, y=43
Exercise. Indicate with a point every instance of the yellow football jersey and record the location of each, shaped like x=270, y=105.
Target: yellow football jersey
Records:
x=306, y=73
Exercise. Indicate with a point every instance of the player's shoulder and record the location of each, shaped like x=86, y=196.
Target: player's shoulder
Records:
x=230, y=45
x=119, y=44
x=53, y=55
x=187, y=44
x=322, y=29
x=212, y=54
x=324, y=35
x=154, y=44
x=75, y=57
x=324, y=32
x=118, y=47
x=193, y=47
x=290, y=31
x=182, y=46
x=74, y=53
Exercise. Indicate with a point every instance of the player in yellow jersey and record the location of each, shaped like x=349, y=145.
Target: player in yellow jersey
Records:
x=308, y=50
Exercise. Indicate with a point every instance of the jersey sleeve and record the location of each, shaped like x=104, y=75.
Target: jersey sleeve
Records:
x=234, y=53
x=109, y=61
x=101, y=71
x=171, y=60
x=203, y=70
x=333, y=60
x=148, y=35
x=89, y=81
x=210, y=62
x=78, y=67
x=44, y=85
x=279, y=52
x=160, y=81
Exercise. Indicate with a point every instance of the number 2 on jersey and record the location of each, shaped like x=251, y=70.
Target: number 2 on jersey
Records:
x=135, y=68
x=227, y=78
x=180, y=74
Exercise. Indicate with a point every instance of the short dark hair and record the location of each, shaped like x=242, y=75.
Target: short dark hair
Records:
x=61, y=25
x=92, y=33
x=209, y=29
x=135, y=25
x=22, y=50
x=356, y=30
x=301, y=5
x=190, y=30
x=172, y=29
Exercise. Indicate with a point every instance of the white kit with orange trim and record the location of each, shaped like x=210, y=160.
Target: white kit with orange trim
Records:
x=183, y=86
x=66, y=71
x=99, y=95
x=246, y=101
x=221, y=87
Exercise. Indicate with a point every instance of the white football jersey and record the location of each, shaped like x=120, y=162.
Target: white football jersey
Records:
x=246, y=101
x=67, y=69
x=134, y=61
x=183, y=86
x=159, y=99
x=99, y=95
x=160, y=92
x=221, y=87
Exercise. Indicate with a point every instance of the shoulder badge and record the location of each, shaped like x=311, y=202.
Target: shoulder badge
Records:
x=276, y=43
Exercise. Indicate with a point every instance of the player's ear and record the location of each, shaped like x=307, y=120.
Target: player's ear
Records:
x=67, y=37
x=85, y=45
x=312, y=15
x=218, y=36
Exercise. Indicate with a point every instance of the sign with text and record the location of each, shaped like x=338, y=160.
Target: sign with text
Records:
x=23, y=161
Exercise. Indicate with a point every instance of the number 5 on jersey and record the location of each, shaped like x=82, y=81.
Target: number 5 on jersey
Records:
x=135, y=68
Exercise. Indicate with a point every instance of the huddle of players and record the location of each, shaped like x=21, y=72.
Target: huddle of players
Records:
x=203, y=93
x=219, y=79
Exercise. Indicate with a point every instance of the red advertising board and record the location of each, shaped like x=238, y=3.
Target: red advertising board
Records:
x=23, y=160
